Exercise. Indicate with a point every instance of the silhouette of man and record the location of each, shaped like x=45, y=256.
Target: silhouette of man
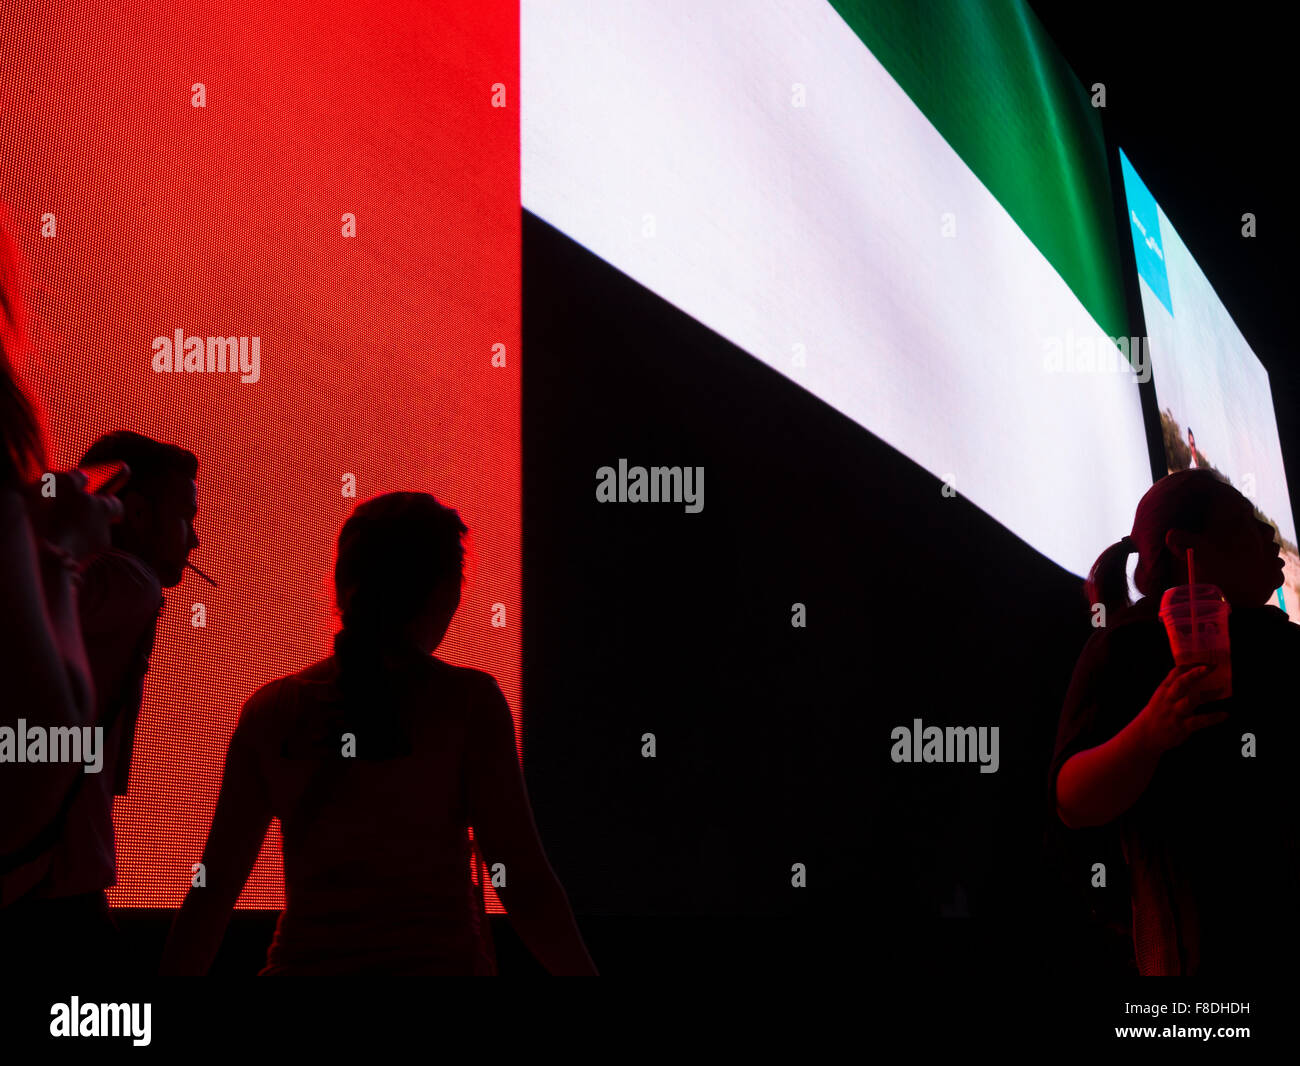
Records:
x=61, y=909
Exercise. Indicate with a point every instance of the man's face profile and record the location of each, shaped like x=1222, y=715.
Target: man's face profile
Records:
x=162, y=526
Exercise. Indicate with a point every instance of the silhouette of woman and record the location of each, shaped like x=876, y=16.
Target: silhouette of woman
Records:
x=1198, y=792
x=376, y=760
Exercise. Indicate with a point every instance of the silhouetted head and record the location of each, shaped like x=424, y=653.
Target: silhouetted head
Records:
x=397, y=581
x=22, y=443
x=1196, y=509
x=159, y=501
x=400, y=565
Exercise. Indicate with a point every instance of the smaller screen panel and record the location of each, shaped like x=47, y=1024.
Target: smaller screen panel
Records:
x=1216, y=405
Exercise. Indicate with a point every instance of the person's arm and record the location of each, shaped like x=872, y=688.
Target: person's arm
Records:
x=505, y=831
x=1098, y=785
x=239, y=827
x=43, y=662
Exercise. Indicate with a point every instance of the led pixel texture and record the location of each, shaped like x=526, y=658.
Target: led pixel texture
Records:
x=375, y=350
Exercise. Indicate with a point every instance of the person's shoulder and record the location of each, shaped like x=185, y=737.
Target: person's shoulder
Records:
x=474, y=680
x=1123, y=624
x=267, y=713
x=1266, y=624
x=122, y=575
x=1130, y=635
x=1266, y=615
x=263, y=700
x=119, y=592
x=123, y=564
x=1137, y=624
x=476, y=692
x=266, y=702
x=1146, y=610
x=324, y=670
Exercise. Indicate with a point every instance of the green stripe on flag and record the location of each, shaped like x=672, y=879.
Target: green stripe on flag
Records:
x=997, y=89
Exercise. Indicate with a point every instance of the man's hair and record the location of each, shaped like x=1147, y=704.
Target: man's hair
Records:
x=151, y=461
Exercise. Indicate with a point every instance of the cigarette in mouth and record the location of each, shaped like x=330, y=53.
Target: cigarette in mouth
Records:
x=201, y=574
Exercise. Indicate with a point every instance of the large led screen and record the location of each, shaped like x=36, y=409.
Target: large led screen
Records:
x=337, y=181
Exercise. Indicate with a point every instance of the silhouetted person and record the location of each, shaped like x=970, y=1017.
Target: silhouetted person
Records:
x=121, y=597
x=1191, y=447
x=376, y=760
x=44, y=672
x=1208, y=834
x=119, y=602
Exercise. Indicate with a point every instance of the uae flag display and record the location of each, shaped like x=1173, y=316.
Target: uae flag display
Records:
x=902, y=208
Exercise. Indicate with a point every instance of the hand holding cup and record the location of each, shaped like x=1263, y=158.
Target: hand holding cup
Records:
x=1173, y=713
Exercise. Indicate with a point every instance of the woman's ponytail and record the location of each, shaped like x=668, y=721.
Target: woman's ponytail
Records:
x=1107, y=582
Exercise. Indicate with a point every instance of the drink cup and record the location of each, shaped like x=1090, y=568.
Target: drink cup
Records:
x=1196, y=620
